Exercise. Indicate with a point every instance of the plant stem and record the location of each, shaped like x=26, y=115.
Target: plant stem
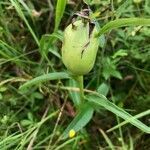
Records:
x=81, y=87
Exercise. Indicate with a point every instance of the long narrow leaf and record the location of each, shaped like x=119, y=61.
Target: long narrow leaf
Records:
x=109, y=142
x=60, y=8
x=81, y=119
x=75, y=96
x=127, y=121
x=101, y=101
x=122, y=23
x=45, y=77
x=22, y=16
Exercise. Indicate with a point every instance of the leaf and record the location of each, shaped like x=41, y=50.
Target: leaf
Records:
x=45, y=77
x=120, y=53
x=1, y=96
x=81, y=119
x=60, y=8
x=122, y=23
x=54, y=52
x=131, y=118
x=26, y=122
x=124, y=7
x=110, y=144
x=103, y=89
x=37, y=95
x=22, y=16
x=110, y=69
x=75, y=96
x=102, y=41
x=47, y=44
x=102, y=101
x=116, y=74
x=88, y=2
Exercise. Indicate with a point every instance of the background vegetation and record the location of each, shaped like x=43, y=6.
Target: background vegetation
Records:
x=31, y=34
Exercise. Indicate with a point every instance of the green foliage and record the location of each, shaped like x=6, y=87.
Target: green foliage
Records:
x=75, y=97
x=60, y=8
x=40, y=101
x=82, y=118
x=21, y=14
x=109, y=69
x=103, y=89
x=47, y=44
x=46, y=77
x=102, y=101
x=123, y=22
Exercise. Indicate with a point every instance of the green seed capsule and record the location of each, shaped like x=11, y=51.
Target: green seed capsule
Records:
x=79, y=47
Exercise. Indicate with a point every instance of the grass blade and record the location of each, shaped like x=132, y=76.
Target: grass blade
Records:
x=81, y=119
x=75, y=96
x=122, y=23
x=107, y=139
x=128, y=120
x=21, y=14
x=60, y=8
x=45, y=77
x=62, y=146
x=101, y=101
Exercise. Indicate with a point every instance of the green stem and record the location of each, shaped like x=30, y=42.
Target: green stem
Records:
x=81, y=87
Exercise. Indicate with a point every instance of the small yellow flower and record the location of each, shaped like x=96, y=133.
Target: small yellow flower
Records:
x=72, y=133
